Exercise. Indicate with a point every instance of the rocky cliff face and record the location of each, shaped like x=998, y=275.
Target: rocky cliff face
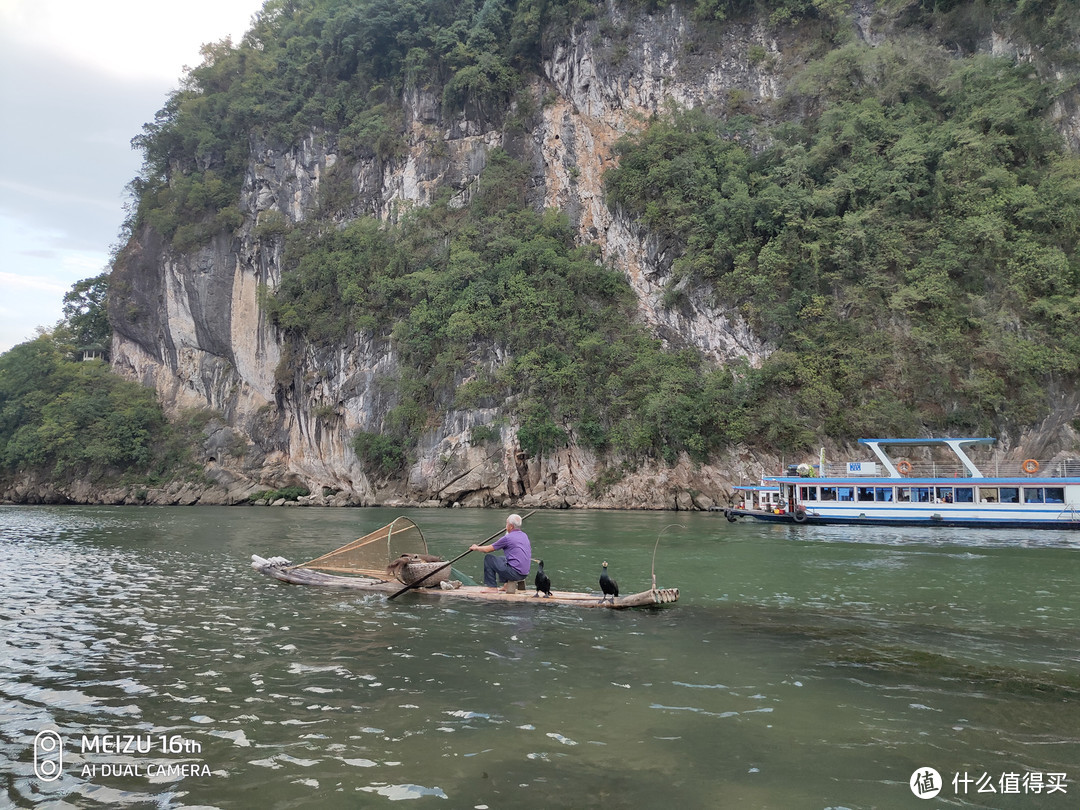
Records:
x=191, y=325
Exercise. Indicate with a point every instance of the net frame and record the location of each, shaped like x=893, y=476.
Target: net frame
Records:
x=371, y=554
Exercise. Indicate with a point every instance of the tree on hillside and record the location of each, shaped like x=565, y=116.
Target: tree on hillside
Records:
x=85, y=318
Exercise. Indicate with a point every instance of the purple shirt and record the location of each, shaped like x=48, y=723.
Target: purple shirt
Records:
x=518, y=550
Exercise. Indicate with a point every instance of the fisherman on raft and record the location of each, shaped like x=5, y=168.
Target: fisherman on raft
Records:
x=517, y=559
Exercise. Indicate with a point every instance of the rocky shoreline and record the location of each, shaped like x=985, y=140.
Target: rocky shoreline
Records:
x=188, y=494
x=684, y=486
x=569, y=478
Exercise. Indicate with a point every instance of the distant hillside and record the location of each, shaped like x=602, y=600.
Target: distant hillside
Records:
x=484, y=252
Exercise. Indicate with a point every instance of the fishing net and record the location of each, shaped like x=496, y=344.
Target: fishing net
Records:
x=371, y=554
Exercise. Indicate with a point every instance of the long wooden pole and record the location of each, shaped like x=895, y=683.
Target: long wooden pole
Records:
x=433, y=572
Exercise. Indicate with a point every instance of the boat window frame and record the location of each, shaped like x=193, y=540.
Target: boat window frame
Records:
x=1048, y=490
x=826, y=492
x=808, y=493
x=903, y=494
x=864, y=494
x=918, y=493
x=1034, y=495
x=884, y=494
x=849, y=491
x=970, y=495
x=1013, y=497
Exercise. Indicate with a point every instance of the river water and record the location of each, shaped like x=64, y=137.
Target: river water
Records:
x=803, y=667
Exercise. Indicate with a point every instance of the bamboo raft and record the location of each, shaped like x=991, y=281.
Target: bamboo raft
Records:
x=394, y=555
x=283, y=571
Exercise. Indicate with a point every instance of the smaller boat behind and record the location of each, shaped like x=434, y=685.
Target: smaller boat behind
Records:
x=952, y=491
x=763, y=499
x=385, y=560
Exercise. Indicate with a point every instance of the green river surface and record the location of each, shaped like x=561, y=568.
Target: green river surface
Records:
x=803, y=667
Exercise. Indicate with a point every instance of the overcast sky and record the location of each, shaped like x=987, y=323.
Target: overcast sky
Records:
x=78, y=79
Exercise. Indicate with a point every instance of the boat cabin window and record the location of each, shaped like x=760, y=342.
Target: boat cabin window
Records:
x=903, y=494
x=1044, y=495
x=807, y=493
x=1009, y=494
x=943, y=495
x=845, y=493
x=988, y=494
x=883, y=494
x=828, y=493
x=865, y=493
x=920, y=494
x=965, y=494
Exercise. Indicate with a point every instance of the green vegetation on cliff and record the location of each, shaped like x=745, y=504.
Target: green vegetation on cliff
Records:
x=69, y=419
x=334, y=65
x=64, y=419
x=911, y=248
x=342, y=65
x=453, y=288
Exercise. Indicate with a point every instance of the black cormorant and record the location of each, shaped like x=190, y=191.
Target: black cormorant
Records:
x=543, y=581
x=609, y=586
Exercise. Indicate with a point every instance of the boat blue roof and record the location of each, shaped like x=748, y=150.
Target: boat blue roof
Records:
x=977, y=440
x=852, y=480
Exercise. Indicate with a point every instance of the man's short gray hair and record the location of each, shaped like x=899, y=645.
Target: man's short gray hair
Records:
x=515, y=521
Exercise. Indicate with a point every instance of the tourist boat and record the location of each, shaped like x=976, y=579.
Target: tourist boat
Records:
x=931, y=492
x=395, y=556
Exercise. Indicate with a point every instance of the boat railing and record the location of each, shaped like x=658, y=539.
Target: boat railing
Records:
x=916, y=470
x=1070, y=467
x=1066, y=468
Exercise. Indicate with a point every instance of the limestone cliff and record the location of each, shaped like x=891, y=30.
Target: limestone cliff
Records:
x=191, y=324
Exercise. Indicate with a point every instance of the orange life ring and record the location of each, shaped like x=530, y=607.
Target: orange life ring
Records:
x=1030, y=465
x=904, y=467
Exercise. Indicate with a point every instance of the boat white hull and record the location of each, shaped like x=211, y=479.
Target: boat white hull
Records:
x=988, y=516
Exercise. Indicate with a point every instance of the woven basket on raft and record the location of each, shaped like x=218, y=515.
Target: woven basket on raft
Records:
x=411, y=572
